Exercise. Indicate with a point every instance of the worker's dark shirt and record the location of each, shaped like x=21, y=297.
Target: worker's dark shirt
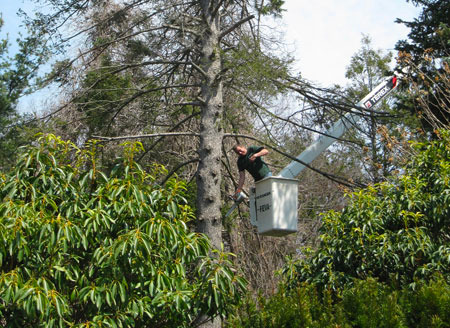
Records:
x=258, y=169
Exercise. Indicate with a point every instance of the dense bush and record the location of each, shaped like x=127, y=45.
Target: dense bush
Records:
x=80, y=248
x=398, y=231
x=368, y=304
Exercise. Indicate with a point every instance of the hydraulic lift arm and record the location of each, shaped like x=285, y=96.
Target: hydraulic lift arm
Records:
x=339, y=128
x=293, y=169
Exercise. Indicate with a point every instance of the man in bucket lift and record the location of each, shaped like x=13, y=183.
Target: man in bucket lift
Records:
x=250, y=160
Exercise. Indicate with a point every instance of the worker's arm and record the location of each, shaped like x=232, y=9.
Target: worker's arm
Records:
x=241, y=182
x=262, y=152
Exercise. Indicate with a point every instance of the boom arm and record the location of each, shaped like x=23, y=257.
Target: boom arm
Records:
x=338, y=129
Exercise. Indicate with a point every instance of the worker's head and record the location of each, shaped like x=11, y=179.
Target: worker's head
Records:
x=240, y=150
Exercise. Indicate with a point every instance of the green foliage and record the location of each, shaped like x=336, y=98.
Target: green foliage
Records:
x=300, y=307
x=429, y=307
x=372, y=305
x=273, y=7
x=5, y=102
x=428, y=54
x=368, y=304
x=79, y=248
x=105, y=91
x=426, y=29
x=19, y=131
x=367, y=68
x=14, y=80
x=397, y=231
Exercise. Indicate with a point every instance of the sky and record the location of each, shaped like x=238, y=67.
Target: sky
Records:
x=12, y=22
x=323, y=34
x=326, y=33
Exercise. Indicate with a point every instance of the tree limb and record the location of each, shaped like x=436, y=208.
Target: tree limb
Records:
x=215, y=10
x=182, y=29
x=235, y=25
x=163, y=182
x=255, y=103
x=173, y=128
x=332, y=177
x=142, y=136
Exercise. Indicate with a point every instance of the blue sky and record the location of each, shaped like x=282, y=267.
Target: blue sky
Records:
x=12, y=22
x=11, y=28
x=323, y=34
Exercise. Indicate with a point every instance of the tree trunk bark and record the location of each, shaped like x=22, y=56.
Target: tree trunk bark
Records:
x=211, y=134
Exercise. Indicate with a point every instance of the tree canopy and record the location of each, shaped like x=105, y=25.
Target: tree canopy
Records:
x=426, y=53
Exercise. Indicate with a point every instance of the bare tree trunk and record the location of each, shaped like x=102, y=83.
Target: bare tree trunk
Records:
x=211, y=134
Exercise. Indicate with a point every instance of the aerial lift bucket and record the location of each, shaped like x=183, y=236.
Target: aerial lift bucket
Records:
x=273, y=206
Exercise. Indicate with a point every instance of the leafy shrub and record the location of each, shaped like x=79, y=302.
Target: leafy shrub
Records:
x=299, y=307
x=366, y=304
x=430, y=306
x=371, y=304
x=79, y=248
x=397, y=232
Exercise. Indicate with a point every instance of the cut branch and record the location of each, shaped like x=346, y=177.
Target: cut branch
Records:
x=315, y=98
x=287, y=120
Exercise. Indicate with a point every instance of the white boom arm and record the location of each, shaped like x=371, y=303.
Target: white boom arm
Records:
x=324, y=141
x=338, y=129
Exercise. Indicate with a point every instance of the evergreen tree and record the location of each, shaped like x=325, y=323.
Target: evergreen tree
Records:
x=182, y=47
x=200, y=71
x=367, y=69
x=426, y=53
x=15, y=73
x=429, y=31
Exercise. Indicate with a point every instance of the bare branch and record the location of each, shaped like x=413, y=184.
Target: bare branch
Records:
x=177, y=168
x=126, y=8
x=332, y=177
x=235, y=25
x=182, y=29
x=143, y=92
x=215, y=10
x=173, y=128
x=255, y=103
x=306, y=92
x=143, y=136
